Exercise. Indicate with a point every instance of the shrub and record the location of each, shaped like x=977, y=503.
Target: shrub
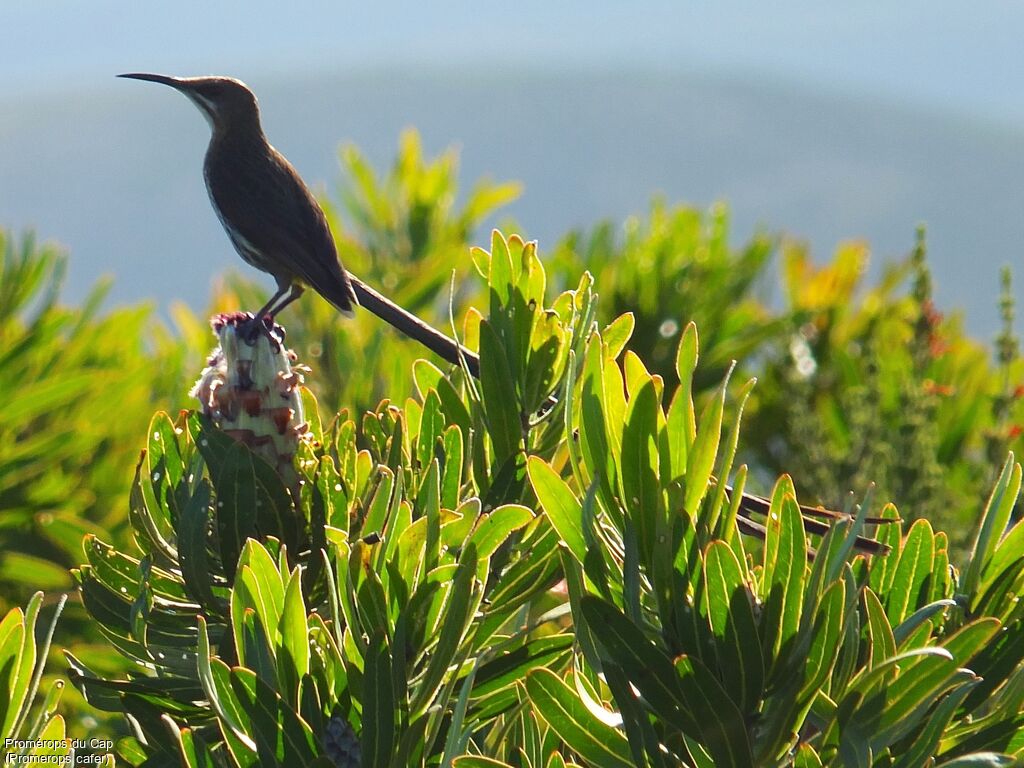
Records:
x=539, y=568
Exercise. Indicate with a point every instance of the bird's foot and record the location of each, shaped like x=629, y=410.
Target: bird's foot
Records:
x=251, y=330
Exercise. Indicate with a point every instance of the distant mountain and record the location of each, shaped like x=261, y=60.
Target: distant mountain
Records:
x=115, y=174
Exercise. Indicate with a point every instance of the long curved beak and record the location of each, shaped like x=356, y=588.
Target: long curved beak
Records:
x=174, y=82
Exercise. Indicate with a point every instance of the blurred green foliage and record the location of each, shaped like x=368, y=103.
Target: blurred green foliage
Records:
x=76, y=386
x=674, y=267
x=65, y=416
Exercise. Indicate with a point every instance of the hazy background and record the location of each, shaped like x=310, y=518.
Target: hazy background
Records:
x=825, y=121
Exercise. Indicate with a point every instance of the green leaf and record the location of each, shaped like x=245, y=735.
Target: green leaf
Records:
x=826, y=638
x=910, y=625
x=926, y=744
x=912, y=572
x=731, y=616
x=256, y=649
x=547, y=358
x=510, y=666
x=149, y=518
x=378, y=737
x=215, y=684
x=643, y=740
x=293, y=662
x=882, y=674
x=701, y=462
x=431, y=426
x=463, y=600
x=806, y=757
x=993, y=523
x=561, y=708
x=502, y=274
x=33, y=572
x=560, y=505
x=784, y=575
x=882, y=643
x=457, y=528
x=52, y=740
x=475, y=761
x=428, y=497
x=529, y=575
x=279, y=733
x=380, y=502
x=724, y=526
x=193, y=749
x=682, y=421
x=258, y=586
x=593, y=434
x=722, y=731
x=45, y=396
x=237, y=496
x=12, y=645
x=501, y=405
x=617, y=333
x=913, y=695
x=1007, y=555
x=451, y=480
x=507, y=484
x=193, y=533
x=980, y=760
x=494, y=528
x=641, y=491
x=647, y=667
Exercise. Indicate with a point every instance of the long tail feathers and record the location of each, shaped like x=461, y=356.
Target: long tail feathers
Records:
x=406, y=322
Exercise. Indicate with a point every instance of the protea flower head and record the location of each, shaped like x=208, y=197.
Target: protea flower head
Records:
x=250, y=389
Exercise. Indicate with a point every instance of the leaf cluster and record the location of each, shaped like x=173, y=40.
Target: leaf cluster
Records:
x=541, y=568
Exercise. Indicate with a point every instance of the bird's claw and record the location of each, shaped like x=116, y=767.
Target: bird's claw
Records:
x=254, y=327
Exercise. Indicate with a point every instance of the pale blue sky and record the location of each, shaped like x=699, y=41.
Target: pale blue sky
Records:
x=961, y=56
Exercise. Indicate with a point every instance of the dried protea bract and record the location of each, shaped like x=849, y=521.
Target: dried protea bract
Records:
x=250, y=389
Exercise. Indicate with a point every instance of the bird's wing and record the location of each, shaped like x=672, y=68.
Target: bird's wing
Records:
x=274, y=215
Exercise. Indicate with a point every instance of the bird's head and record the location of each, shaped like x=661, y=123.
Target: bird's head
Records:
x=224, y=101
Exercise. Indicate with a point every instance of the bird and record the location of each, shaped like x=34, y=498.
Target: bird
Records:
x=274, y=221
x=268, y=212
x=277, y=226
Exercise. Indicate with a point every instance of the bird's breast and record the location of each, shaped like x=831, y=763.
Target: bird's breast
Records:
x=229, y=196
